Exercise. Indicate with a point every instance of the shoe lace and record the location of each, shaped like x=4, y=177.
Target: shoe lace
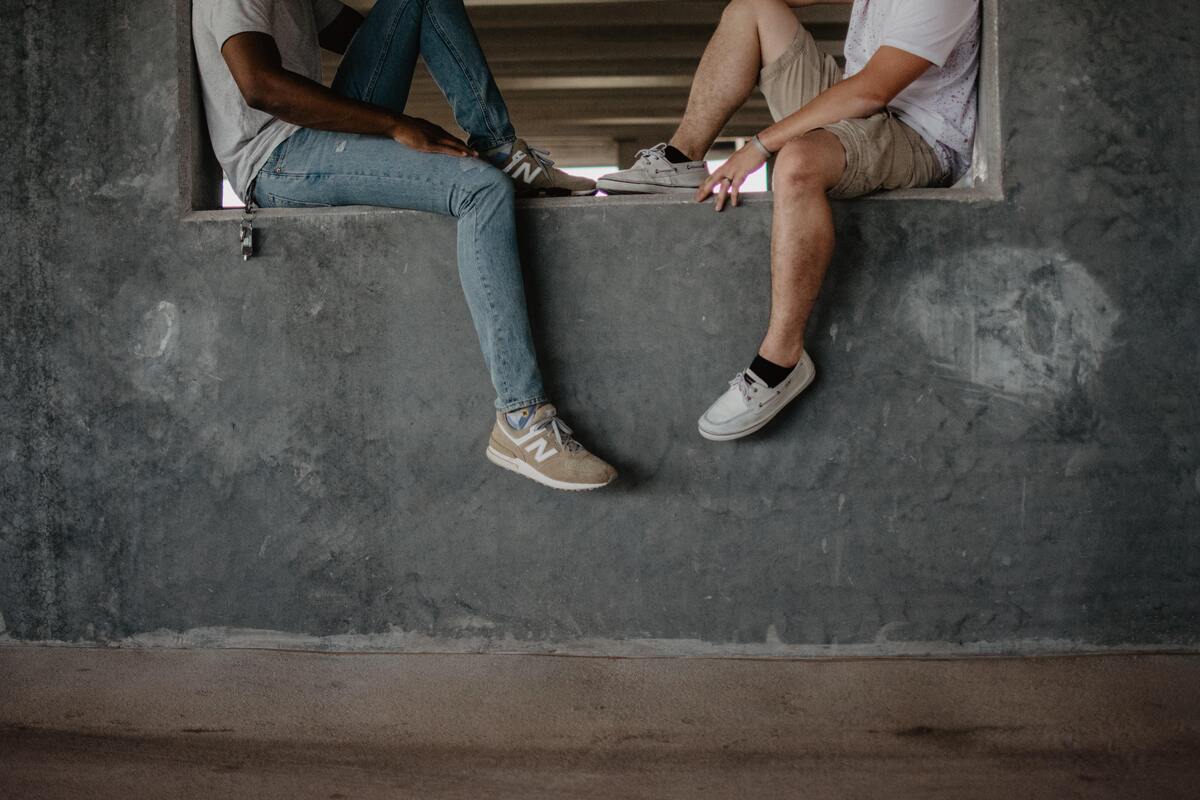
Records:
x=652, y=153
x=742, y=384
x=561, y=432
x=541, y=156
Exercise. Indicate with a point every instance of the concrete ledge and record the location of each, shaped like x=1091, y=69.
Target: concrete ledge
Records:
x=202, y=723
x=974, y=195
x=415, y=643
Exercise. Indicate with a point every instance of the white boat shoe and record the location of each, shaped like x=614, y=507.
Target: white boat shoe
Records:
x=749, y=403
x=653, y=173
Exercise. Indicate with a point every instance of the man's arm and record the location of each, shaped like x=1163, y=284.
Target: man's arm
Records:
x=868, y=92
x=257, y=68
x=887, y=74
x=337, y=35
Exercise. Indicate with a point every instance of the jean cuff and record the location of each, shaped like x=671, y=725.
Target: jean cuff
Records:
x=516, y=404
x=482, y=143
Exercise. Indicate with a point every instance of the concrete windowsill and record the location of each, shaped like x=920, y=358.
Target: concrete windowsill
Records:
x=957, y=195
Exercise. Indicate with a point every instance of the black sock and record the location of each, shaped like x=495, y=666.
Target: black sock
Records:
x=675, y=155
x=769, y=372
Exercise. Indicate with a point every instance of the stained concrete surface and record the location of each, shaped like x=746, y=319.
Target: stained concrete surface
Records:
x=1002, y=445
x=124, y=723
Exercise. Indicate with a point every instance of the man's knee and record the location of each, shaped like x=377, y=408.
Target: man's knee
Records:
x=755, y=8
x=805, y=165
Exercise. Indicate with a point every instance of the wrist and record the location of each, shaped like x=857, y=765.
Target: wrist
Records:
x=762, y=141
x=397, y=124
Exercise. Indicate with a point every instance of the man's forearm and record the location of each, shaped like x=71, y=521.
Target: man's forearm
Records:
x=300, y=101
x=257, y=68
x=848, y=99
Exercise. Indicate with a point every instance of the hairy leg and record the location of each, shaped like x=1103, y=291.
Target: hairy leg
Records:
x=802, y=238
x=751, y=33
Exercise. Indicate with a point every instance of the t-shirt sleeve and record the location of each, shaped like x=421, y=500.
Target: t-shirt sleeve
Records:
x=231, y=17
x=930, y=28
x=327, y=11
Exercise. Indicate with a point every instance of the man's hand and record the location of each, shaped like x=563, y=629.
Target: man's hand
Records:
x=727, y=179
x=257, y=67
x=421, y=134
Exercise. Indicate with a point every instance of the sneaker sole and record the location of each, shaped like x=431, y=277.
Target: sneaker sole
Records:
x=622, y=187
x=727, y=437
x=524, y=470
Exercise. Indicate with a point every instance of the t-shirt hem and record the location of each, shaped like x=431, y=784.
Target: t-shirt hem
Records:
x=916, y=50
x=231, y=34
x=324, y=21
x=288, y=130
x=945, y=154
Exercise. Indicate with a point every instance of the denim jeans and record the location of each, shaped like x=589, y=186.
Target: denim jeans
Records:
x=316, y=168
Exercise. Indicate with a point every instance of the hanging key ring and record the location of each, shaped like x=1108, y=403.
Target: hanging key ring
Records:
x=246, y=236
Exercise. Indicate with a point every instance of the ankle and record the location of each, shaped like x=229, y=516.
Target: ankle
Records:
x=785, y=355
x=687, y=148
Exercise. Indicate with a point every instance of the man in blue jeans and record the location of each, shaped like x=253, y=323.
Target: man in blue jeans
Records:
x=288, y=141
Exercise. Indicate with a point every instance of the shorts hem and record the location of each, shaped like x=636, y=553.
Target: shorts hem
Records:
x=794, y=52
x=853, y=142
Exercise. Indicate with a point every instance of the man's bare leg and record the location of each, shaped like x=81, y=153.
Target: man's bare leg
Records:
x=751, y=33
x=802, y=239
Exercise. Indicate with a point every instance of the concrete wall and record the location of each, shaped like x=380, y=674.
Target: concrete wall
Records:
x=1002, y=449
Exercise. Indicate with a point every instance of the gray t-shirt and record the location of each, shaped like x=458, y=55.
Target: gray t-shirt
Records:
x=242, y=137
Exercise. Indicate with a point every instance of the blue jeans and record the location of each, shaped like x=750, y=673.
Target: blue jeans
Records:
x=316, y=168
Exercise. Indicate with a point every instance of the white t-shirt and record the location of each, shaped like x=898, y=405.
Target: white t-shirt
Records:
x=242, y=137
x=939, y=105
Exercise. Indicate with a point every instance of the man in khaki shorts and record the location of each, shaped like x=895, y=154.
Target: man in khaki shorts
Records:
x=902, y=115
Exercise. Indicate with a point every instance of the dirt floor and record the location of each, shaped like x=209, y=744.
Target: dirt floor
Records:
x=97, y=724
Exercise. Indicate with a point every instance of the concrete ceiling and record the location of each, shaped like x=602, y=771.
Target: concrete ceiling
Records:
x=597, y=79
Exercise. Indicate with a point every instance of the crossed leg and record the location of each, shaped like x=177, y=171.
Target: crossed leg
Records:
x=379, y=64
x=751, y=33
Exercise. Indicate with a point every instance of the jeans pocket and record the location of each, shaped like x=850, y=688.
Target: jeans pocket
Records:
x=275, y=161
x=278, y=201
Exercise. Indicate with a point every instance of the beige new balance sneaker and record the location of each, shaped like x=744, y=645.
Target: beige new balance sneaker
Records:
x=544, y=451
x=536, y=176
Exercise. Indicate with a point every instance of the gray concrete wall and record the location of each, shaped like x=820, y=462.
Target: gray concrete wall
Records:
x=1002, y=448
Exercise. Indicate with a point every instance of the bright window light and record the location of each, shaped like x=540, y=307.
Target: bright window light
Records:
x=229, y=198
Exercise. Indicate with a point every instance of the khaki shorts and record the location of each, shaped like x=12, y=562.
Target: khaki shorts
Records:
x=881, y=151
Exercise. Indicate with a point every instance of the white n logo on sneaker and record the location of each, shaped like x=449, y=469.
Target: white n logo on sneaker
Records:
x=524, y=168
x=540, y=446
